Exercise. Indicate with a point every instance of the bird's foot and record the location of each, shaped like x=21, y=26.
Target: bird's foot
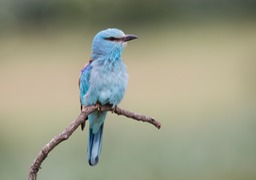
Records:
x=113, y=109
x=98, y=106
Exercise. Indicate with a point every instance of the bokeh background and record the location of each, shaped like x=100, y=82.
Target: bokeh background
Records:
x=193, y=68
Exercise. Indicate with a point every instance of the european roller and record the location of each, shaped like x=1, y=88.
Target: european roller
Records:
x=103, y=81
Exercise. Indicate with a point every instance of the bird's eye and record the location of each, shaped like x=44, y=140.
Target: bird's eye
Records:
x=111, y=38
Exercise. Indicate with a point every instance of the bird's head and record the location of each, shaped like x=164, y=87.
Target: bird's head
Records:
x=110, y=42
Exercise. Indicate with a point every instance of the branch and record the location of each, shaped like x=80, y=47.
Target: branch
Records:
x=135, y=116
x=67, y=132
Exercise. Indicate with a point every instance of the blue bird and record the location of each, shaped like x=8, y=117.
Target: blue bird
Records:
x=103, y=81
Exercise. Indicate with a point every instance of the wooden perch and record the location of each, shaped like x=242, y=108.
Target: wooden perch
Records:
x=67, y=132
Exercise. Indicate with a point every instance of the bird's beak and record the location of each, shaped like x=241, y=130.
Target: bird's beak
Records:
x=129, y=37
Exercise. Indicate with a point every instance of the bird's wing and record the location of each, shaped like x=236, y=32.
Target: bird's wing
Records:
x=84, y=80
x=84, y=84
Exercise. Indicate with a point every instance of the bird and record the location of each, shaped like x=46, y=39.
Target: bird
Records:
x=103, y=81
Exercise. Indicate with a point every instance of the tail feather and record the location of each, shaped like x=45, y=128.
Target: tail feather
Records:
x=94, y=145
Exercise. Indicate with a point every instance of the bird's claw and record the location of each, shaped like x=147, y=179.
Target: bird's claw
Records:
x=98, y=106
x=113, y=109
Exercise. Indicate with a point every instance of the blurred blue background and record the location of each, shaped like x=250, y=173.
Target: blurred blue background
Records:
x=193, y=68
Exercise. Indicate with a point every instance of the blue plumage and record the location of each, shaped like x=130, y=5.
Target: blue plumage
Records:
x=104, y=81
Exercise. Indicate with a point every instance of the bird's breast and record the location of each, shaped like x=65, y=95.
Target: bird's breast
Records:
x=109, y=82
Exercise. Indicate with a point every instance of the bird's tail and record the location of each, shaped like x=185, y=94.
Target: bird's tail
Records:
x=94, y=146
x=95, y=140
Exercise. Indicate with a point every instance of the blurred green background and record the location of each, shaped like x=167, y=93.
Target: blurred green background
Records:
x=193, y=68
